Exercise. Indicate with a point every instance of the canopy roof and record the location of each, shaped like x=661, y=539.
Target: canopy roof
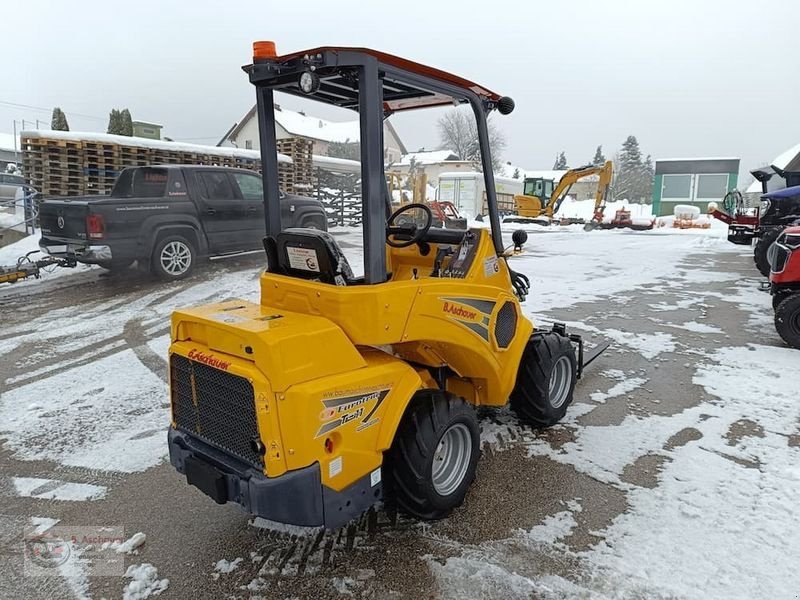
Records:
x=337, y=85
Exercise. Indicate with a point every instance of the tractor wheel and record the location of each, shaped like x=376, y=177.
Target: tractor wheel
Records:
x=433, y=457
x=762, y=246
x=545, y=380
x=787, y=320
x=780, y=296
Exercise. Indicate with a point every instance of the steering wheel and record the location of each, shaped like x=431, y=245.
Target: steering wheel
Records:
x=410, y=232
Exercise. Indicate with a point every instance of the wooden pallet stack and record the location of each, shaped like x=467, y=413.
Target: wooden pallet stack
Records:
x=299, y=177
x=56, y=163
x=75, y=164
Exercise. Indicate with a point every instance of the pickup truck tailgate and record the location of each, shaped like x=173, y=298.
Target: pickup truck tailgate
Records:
x=64, y=219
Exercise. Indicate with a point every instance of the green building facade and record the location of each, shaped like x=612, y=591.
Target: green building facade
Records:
x=692, y=181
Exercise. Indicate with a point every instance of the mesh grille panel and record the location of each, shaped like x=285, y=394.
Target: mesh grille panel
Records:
x=505, y=325
x=215, y=406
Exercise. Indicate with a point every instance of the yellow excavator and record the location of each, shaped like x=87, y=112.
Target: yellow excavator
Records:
x=540, y=201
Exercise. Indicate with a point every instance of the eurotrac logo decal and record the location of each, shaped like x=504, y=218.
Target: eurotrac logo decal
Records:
x=340, y=410
x=472, y=313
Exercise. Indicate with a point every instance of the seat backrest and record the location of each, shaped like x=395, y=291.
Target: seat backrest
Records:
x=312, y=254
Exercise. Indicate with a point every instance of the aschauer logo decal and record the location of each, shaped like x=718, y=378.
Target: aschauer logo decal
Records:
x=341, y=410
x=476, y=320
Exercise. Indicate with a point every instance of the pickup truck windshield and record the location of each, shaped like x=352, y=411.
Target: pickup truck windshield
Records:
x=144, y=182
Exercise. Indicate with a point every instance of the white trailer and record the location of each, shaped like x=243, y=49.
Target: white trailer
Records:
x=467, y=190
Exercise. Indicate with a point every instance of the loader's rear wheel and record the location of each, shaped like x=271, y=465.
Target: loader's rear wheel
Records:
x=787, y=320
x=433, y=457
x=545, y=380
x=762, y=247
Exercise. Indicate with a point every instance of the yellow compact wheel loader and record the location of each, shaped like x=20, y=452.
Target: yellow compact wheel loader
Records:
x=336, y=390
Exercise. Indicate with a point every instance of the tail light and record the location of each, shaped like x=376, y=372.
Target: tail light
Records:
x=95, y=227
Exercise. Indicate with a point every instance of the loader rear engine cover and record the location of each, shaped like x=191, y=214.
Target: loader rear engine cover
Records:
x=338, y=390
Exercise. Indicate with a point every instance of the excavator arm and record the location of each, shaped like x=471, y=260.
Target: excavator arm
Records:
x=605, y=172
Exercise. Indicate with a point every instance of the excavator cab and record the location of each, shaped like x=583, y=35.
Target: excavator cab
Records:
x=346, y=385
x=538, y=187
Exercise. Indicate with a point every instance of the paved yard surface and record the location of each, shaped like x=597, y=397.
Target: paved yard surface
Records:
x=674, y=475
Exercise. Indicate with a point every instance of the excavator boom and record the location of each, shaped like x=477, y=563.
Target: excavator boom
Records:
x=532, y=207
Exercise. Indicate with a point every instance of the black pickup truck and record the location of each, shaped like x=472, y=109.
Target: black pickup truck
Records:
x=167, y=217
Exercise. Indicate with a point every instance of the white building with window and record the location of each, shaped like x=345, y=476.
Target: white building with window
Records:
x=291, y=123
x=694, y=181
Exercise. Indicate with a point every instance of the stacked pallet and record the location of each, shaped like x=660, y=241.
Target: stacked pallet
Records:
x=299, y=178
x=68, y=163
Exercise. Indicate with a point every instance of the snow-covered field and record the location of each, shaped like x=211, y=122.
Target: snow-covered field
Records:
x=716, y=518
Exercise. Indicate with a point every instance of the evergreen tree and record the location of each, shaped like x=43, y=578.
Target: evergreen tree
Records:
x=633, y=178
x=115, y=122
x=345, y=149
x=561, y=162
x=516, y=174
x=58, y=122
x=599, y=160
x=126, y=123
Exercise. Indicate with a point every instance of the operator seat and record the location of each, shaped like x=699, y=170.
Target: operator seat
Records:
x=312, y=254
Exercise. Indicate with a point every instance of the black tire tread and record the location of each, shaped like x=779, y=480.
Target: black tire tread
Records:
x=787, y=320
x=761, y=248
x=428, y=414
x=530, y=397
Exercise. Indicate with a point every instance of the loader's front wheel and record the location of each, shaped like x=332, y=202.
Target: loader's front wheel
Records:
x=433, y=457
x=545, y=380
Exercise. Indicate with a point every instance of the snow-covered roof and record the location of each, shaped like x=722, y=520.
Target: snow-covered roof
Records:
x=696, y=158
x=754, y=187
x=139, y=142
x=554, y=174
x=790, y=157
x=303, y=125
x=478, y=175
x=339, y=165
x=431, y=157
x=7, y=141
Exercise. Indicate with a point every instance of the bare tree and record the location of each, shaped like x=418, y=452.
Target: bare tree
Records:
x=458, y=132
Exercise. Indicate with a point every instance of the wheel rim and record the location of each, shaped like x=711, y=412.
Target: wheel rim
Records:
x=560, y=381
x=176, y=258
x=451, y=459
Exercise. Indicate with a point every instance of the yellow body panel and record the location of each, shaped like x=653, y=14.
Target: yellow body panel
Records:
x=333, y=364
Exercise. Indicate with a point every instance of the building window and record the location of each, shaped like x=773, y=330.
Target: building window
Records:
x=677, y=187
x=248, y=144
x=711, y=186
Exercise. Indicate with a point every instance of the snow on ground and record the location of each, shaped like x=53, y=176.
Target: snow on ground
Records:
x=129, y=546
x=85, y=416
x=722, y=518
x=53, y=489
x=144, y=582
x=728, y=499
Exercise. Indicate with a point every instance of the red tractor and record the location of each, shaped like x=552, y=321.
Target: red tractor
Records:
x=784, y=277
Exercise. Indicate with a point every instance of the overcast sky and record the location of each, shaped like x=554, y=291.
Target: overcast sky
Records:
x=688, y=78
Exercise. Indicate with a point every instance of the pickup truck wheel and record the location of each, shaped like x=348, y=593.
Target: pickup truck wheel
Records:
x=314, y=223
x=173, y=258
